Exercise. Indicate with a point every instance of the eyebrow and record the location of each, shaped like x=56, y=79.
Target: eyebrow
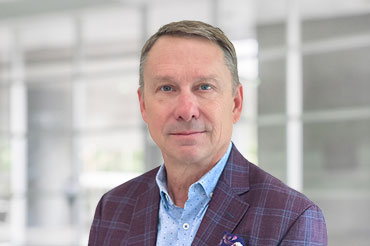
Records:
x=208, y=78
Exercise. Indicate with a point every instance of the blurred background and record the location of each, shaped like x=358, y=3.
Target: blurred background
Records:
x=70, y=125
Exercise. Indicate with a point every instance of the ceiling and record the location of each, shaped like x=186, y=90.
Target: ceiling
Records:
x=265, y=11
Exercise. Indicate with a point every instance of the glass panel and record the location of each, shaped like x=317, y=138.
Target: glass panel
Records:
x=111, y=102
x=4, y=188
x=120, y=151
x=49, y=106
x=272, y=150
x=4, y=71
x=5, y=41
x=110, y=66
x=271, y=91
x=335, y=27
x=4, y=109
x=48, y=70
x=179, y=10
x=108, y=160
x=271, y=35
x=337, y=177
x=48, y=49
x=337, y=79
x=49, y=173
x=49, y=154
x=117, y=28
x=45, y=32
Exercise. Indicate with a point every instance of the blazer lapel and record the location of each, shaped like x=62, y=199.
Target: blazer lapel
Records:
x=226, y=208
x=143, y=229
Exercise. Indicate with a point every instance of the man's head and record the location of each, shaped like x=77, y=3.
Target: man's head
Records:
x=187, y=97
x=194, y=29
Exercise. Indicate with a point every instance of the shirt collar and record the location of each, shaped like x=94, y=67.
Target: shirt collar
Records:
x=208, y=181
x=161, y=180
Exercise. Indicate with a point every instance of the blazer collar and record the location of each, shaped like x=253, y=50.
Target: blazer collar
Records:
x=144, y=222
x=236, y=172
x=227, y=207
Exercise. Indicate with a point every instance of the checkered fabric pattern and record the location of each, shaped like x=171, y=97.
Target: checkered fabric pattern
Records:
x=247, y=202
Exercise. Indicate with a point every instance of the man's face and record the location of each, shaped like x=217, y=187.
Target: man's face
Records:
x=187, y=99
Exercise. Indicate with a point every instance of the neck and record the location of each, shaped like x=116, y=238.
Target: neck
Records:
x=180, y=176
x=179, y=180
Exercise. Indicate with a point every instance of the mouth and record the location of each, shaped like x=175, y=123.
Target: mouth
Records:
x=187, y=133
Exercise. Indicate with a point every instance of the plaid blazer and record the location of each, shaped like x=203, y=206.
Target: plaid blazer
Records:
x=247, y=202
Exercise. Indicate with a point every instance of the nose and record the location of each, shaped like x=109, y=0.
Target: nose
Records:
x=186, y=107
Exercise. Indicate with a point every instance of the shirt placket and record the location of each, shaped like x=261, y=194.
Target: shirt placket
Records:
x=190, y=214
x=184, y=226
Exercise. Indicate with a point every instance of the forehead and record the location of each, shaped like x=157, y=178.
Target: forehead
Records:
x=189, y=52
x=183, y=47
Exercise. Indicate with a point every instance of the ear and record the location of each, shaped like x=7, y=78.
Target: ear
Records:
x=238, y=103
x=140, y=95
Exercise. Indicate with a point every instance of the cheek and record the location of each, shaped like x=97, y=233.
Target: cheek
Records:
x=217, y=116
x=156, y=118
x=155, y=130
x=226, y=118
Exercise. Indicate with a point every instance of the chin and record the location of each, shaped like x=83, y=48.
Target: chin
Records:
x=188, y=154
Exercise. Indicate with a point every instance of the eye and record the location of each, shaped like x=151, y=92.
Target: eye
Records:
x=166, y=88
x=205, y=87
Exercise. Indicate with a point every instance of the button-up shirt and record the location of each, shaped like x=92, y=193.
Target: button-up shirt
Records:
x=176, y=225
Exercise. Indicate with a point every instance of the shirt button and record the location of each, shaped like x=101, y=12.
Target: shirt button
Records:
x=211, y=194
x=185, y=226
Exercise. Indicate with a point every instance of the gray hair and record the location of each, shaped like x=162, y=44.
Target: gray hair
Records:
x=197, y=29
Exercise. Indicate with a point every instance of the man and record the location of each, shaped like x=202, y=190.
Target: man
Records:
x=206, y=192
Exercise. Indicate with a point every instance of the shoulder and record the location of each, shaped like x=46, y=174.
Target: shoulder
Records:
x=265, y=184
x=261, y=188
x=122, y=200
x=134, y=187
x=287, y=210
x=276, y=198
x=114, y=212
x=280, y=212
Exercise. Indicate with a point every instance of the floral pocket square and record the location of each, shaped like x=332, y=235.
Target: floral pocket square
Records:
x=231, y=240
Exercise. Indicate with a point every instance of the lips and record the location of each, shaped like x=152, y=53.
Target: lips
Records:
x=186, y=129
x=187, y=133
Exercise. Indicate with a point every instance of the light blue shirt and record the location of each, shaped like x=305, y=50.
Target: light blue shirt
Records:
x=178, y=226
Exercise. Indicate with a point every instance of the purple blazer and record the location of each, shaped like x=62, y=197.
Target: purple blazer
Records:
x=247, y=202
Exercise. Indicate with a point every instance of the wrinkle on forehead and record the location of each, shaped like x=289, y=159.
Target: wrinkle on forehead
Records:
x=171, y=79
x=179, y=59
x=176, y=51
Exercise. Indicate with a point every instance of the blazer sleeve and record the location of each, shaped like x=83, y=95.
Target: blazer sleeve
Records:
x=308, y=229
